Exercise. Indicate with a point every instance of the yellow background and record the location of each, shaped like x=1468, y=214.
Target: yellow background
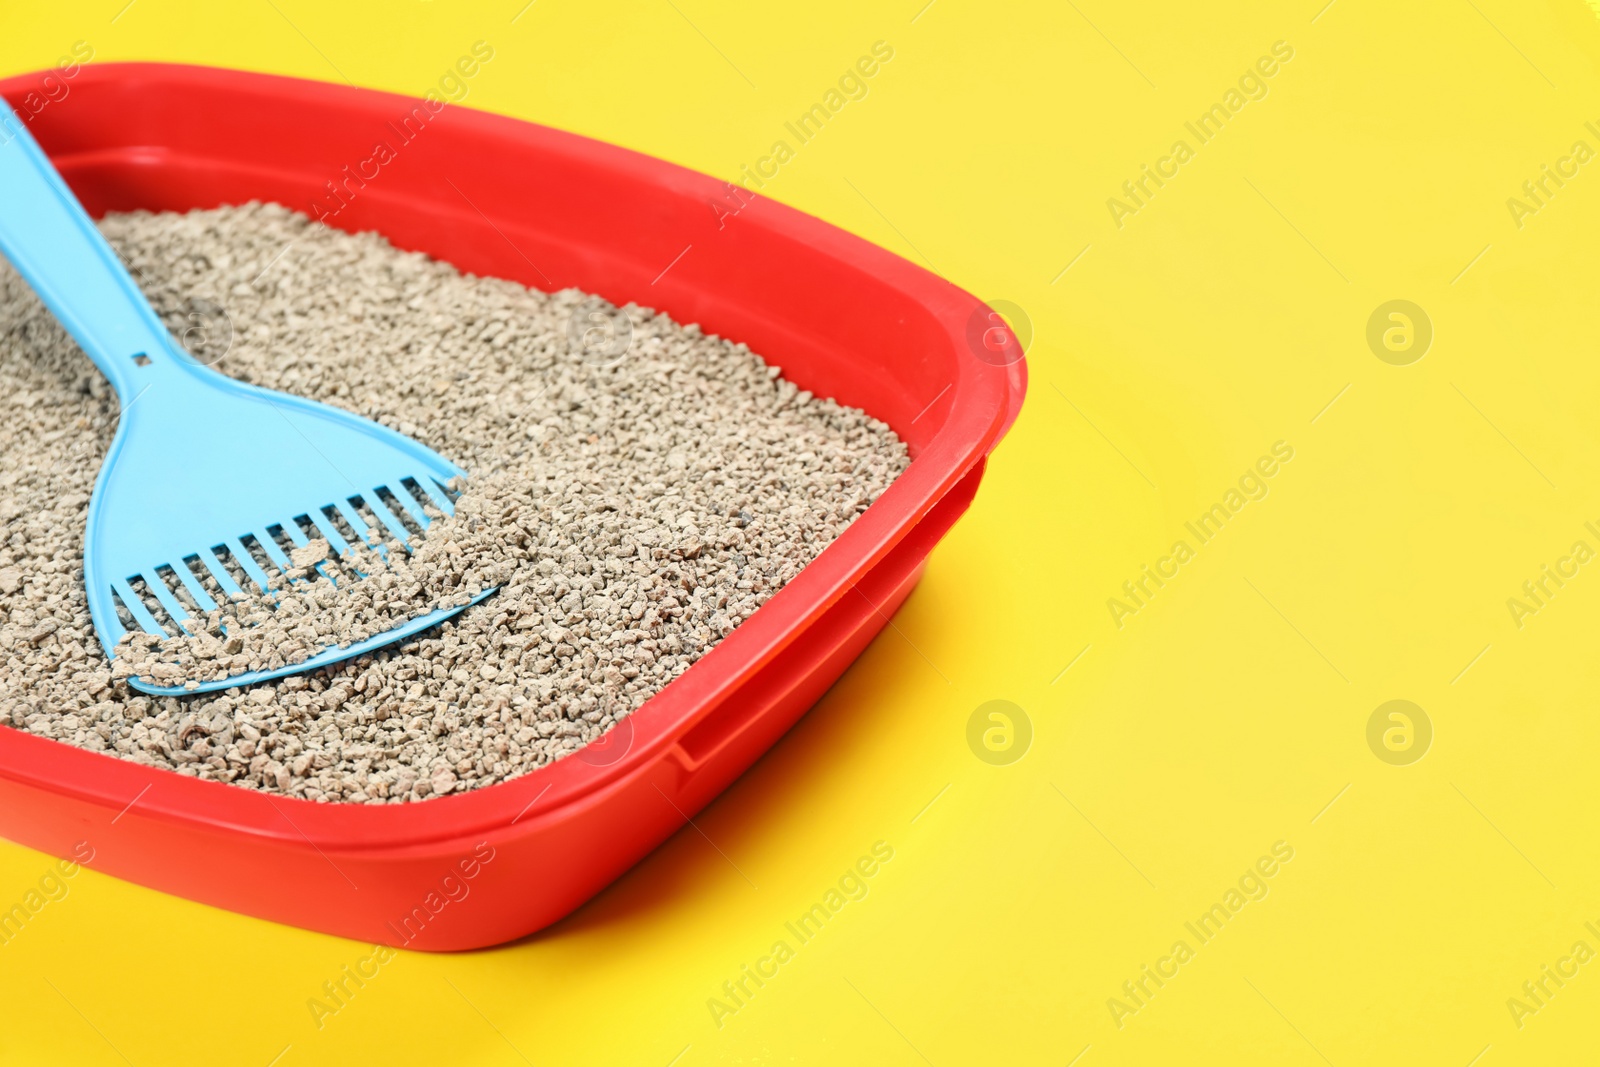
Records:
x=1225, y=716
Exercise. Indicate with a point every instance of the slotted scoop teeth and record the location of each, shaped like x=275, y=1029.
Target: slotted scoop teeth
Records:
x=236, y=513
x=168, y=520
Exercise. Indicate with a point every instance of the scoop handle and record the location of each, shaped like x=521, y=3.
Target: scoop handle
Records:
x=51, y=241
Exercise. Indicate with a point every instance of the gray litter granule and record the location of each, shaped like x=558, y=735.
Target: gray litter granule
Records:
x=633, y=509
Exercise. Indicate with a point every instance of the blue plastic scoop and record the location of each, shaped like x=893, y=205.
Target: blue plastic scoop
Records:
x=204, y=471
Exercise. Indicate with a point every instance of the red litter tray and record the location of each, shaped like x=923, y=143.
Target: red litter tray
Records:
x=510, y=199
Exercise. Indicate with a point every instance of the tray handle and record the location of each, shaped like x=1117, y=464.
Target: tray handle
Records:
x=723, y=725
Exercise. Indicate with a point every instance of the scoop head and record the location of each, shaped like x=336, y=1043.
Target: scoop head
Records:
x=204, y=471
x=212, y=478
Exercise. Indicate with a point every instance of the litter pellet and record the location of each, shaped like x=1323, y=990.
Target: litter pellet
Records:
x=636, y=490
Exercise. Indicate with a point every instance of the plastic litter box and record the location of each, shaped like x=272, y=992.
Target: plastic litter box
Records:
x=505, y=198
